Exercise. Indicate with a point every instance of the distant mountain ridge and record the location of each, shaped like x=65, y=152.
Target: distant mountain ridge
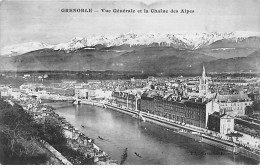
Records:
x=190, y=40
x=146, y=53
x=18, y=49
x=178, y=40
x=159, y=60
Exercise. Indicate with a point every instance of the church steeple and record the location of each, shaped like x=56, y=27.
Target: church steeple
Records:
x=203, y=77
x=203, y=87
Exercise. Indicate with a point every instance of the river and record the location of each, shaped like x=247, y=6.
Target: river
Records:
x=154, y=144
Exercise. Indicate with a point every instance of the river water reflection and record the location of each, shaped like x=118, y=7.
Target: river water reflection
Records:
x=155, y=144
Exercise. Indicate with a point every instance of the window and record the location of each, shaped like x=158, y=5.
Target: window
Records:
x=170, y=116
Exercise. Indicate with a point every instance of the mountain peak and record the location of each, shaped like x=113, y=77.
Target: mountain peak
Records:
x=18, y=49
x=181, y=40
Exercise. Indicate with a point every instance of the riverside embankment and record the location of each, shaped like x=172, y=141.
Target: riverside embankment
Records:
x=81, y=142
x=197, y=134
x=75, y=146
x=114, y=131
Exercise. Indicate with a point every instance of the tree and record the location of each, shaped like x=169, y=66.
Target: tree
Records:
x=17, y=136
x=249, y=110
x=20, y=133
x=53, y=132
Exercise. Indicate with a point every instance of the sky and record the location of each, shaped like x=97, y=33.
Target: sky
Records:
x=42, y=20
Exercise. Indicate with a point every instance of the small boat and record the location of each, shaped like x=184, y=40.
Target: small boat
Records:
x=82, y=126
x=100, y=138
x=138, y=155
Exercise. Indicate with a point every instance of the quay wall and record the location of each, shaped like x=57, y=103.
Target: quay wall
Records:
x=247, y=153
x=57, y=155
x=121, y=110
x=194, y=135
x=188, y=132
x=218, y=144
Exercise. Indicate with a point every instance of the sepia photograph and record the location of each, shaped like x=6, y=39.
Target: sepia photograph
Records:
x=130, y=82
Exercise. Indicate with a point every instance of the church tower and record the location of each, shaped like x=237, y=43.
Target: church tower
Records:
x=203, y=87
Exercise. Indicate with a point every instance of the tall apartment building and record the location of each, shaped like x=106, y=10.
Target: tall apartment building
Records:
x=191, y=112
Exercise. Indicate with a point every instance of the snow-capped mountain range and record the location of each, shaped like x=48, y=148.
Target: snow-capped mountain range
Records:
x=190, y=40
x=18, y=49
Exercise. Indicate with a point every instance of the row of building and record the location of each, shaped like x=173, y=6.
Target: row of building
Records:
x=203, y=109
x=192, y=112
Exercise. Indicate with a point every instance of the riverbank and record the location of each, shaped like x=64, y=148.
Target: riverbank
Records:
x=79, y=148
x=80, y=142
x=197, y=134
x=28, y=137
x=115, y=131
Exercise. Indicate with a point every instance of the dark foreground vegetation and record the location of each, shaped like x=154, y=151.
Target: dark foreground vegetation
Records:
x=20, y=136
